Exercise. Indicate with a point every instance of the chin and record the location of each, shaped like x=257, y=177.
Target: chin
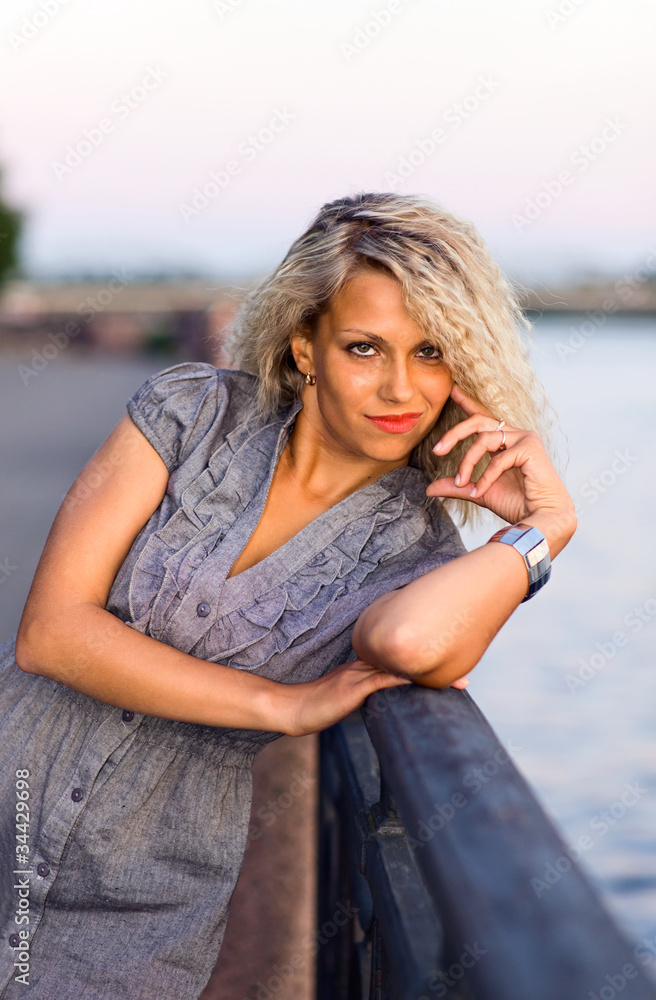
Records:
x=388, y=453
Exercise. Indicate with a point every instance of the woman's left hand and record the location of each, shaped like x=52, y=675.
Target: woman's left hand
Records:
x=517, y=482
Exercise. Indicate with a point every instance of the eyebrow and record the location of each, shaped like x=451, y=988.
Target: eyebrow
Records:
x=376, y=338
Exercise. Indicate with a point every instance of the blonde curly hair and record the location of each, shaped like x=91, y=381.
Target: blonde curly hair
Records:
x=450, y=285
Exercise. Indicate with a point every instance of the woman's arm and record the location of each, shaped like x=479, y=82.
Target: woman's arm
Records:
x=435, y=629
x=66, y=634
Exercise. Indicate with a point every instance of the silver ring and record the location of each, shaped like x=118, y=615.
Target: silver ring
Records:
x=499, y=427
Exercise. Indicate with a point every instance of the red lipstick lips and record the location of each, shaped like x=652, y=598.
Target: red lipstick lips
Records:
x=395, y=423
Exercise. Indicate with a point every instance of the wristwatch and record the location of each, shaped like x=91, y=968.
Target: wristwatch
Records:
x=533, y=546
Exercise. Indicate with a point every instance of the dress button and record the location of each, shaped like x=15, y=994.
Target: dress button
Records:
x=77, y=794
x=128, y=716
x=203, y=610
x=43, y=869
x=14, y=940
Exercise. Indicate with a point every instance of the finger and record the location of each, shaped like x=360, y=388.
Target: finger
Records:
x=479, y=423
x=461, y=683
x=499, y=463
x=447, y=488
x=375, y=683
x=375, y=677
x=487, y=442
x=392, y=680
x=468, y=404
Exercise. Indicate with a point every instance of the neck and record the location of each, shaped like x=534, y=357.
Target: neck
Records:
x=321, y=468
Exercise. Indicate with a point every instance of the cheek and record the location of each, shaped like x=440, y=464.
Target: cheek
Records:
x=440, y=389
x=359, y=381
x=343, y=381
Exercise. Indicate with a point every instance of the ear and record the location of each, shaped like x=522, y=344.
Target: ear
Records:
x=302, y=349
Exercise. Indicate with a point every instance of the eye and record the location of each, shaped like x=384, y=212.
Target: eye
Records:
x=355, y=349
x=434, y=352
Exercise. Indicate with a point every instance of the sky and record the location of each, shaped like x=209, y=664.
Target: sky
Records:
x=204, y=135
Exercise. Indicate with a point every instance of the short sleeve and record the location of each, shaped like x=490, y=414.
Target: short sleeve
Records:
x=176, y=406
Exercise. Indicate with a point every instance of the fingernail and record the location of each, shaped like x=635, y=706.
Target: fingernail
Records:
x=473, y=492
x=438, y=446
x=457, y=479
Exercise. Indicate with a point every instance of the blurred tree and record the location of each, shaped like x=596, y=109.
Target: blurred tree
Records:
x=11, y=221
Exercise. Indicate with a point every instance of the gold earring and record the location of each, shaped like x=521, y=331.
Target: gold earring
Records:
x=310, y=379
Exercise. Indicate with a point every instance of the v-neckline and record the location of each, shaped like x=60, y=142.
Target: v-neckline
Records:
x=301, y=547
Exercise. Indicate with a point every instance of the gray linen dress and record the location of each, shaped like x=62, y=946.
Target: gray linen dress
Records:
x=138, y=825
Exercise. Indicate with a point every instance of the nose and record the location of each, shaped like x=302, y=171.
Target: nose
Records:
x=396, y=382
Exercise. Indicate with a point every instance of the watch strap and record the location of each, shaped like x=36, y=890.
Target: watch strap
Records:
x=533, y=546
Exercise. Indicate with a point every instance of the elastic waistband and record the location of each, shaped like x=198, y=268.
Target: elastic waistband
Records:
x=235, y=747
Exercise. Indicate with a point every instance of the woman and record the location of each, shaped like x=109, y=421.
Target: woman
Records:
x=272, y=539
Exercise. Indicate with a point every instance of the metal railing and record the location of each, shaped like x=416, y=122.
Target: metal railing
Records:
x=440, y=874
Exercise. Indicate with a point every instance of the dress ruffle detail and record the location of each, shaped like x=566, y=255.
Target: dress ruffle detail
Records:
x=287, y=599
x=173, y=552
x=273, y=621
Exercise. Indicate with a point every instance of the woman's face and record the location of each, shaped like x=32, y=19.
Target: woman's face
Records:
x=380, y=384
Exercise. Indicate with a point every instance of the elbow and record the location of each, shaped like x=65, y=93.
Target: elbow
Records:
x=430, y=663
x=30, y=654
x=415, y=659
x=379, y=640
x=402, y=653
x=24, y=654
x=396, y=645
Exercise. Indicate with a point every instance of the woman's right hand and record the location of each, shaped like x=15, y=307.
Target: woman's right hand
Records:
x=315, y=705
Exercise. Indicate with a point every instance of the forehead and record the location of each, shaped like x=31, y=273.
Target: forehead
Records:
x=370, y=301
